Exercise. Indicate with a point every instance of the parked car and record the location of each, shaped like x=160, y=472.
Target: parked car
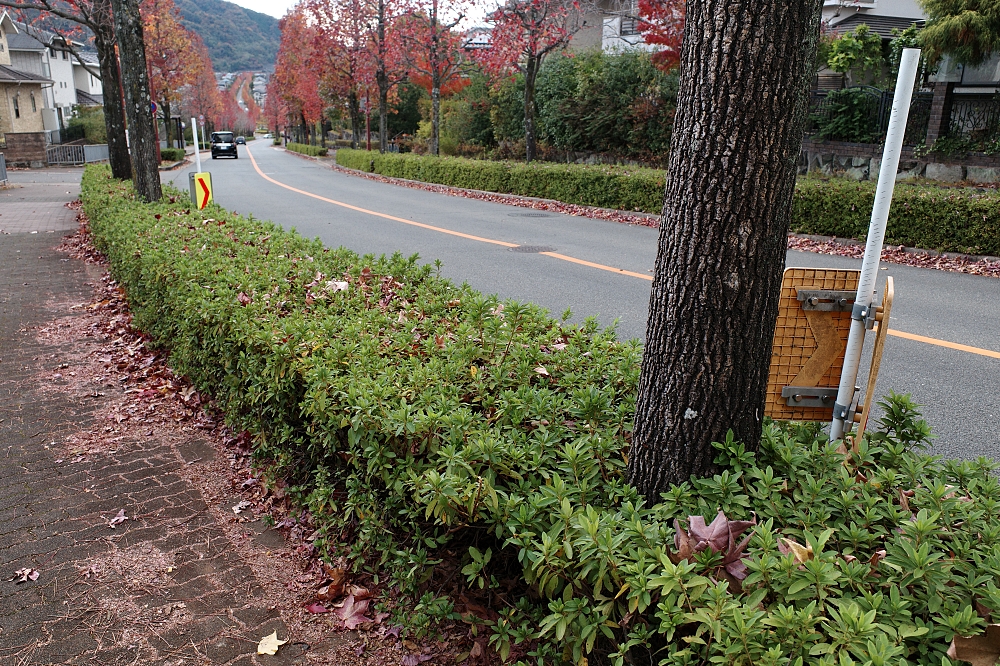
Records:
x=223, y=144
x=240, y=141
x=267, y=136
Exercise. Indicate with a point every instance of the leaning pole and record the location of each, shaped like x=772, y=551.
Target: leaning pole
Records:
x=862, y=311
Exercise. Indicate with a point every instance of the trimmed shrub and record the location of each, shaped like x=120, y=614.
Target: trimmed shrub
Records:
x=623, y=188
x=416, y=417
x=926, y=216
x=171, y=154
x=304, y=148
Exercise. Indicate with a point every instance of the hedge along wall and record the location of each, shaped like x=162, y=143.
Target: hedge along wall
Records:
x=925, y=216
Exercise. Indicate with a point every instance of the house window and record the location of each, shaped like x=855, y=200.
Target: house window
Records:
x=65, y=55
x=17, y=108
x=34, y=108
x=52, y=51
x=630, y=26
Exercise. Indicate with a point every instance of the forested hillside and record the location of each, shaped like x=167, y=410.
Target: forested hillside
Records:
x=238, y=39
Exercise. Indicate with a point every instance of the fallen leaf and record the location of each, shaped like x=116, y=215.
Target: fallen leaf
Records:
x=799, y=552
x=353, y=612
x=981, y=650
x=118, y=519
x=241, y=507
x=24, y=575
x=415, y=659
x=269, y=644
x=317, y=608
x=542, y=371
x=476, y=650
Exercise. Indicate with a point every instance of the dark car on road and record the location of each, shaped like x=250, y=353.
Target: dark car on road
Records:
x=223, y=144
x=240, y=141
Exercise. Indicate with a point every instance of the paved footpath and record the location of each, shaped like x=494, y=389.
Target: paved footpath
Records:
x=165, y=586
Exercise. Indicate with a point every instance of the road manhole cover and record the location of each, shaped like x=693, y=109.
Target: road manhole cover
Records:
x=527, y=215
x=532, y=249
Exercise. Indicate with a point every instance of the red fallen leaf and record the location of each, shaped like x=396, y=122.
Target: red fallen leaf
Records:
x=415, y=659
x=353, y=612
x=317, y=608
x=244, y=299
x=24, y=575
x=359, y=592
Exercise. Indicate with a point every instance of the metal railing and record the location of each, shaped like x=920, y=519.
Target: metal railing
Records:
x=975, y=118
x=867, y=112
x=76, y=155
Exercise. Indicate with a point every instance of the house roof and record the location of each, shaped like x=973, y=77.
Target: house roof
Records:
x=8, y=75
x=84, y=98
x=880, y=25
x=22, y=41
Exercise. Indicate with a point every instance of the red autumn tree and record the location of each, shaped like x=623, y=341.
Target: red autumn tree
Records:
x=662, y=24
x=202, y=96
x=387, y=49
x=169, y=48
x=341, y=56
x=294, y=80
x=275, y=109
x=524, y=33
x=434, y=52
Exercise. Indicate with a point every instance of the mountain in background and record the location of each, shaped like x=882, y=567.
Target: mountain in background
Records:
x=237, y=39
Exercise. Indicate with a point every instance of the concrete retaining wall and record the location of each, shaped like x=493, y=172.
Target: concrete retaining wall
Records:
x=861, y=161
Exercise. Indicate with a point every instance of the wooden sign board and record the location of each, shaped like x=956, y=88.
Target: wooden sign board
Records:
x=814, y=319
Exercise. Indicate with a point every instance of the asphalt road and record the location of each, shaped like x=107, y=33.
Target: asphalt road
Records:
x=958, y=389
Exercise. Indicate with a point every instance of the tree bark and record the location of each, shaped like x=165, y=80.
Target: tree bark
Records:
x=166, y=122
x=530, y=74
x=114, y=110
x=141, y=124
x=741, y=109
x=354, y=106
x=382, y=78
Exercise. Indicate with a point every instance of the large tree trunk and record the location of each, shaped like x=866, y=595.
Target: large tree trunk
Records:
x=141, y=124
x=745, y=71
x=166, y=122
x=382, y=79
x=354, y=107
x=114, y=110
x=530, y=74
x=436, y=117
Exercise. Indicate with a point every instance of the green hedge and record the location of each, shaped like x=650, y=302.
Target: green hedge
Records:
x=925, y=216
x=171, y=154
x=420, y=421
x=622, y=188
x=306, y=149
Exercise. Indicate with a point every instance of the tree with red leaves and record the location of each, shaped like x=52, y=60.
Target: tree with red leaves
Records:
x=202, y=97
x=341, y=56
x=389, y=60
x=434, y=53
x=169, y=49
x=275, y=109
x=97, y=16
x=662, y=24
x=293, y=79
x=524, y=33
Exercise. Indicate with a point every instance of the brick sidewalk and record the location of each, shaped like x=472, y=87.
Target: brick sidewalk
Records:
x=165, y=586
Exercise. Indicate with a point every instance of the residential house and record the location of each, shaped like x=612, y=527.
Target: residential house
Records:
x=21, y=92
x=89, y=91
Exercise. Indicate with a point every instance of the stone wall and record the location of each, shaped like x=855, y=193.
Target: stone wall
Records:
x=25, y=149
x=861, y=161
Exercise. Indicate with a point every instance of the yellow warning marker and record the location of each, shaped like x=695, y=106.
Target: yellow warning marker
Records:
x=200, y=184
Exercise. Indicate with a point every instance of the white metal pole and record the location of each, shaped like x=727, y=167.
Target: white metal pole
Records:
x=197, y=144
x=876, y=235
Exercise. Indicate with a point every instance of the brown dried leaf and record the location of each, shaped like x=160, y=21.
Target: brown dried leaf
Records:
x=981, y=650
x=799, y=552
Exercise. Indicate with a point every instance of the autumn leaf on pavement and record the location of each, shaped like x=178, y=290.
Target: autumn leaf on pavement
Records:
x=317, y=608
x=24, y=575
x=118, y=519
x=353, y=612
x=415, y=659
x=269, y=644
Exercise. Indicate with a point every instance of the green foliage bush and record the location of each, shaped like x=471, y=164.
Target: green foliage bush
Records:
x=171, y=154
x=89, y=120
x=623, y=188
x=850, y=114
x=411, y=414
x=305, y=149
x=926, y=216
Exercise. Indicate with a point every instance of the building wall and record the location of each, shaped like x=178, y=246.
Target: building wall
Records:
x=61, y=73
x=4, y=53
x=25, y=149
x=29, y=120
x=30, y=62
x=85, y=81
x=839, y=9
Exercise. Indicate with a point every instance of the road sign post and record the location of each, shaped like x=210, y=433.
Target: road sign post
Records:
x=199, y=182
x=862, y=313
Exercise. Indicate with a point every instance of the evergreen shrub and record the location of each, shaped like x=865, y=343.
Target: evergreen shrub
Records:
x=954, y=219
x=171, y=154
x=306, y=149
x=420, y=421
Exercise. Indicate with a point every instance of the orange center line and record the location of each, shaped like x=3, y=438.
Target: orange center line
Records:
x=944, y=343
x=581, y=262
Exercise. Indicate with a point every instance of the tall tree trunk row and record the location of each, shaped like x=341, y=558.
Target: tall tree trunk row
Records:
x=530, y=74
x=114, y=111
x=138, y=104
x=741, y=108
